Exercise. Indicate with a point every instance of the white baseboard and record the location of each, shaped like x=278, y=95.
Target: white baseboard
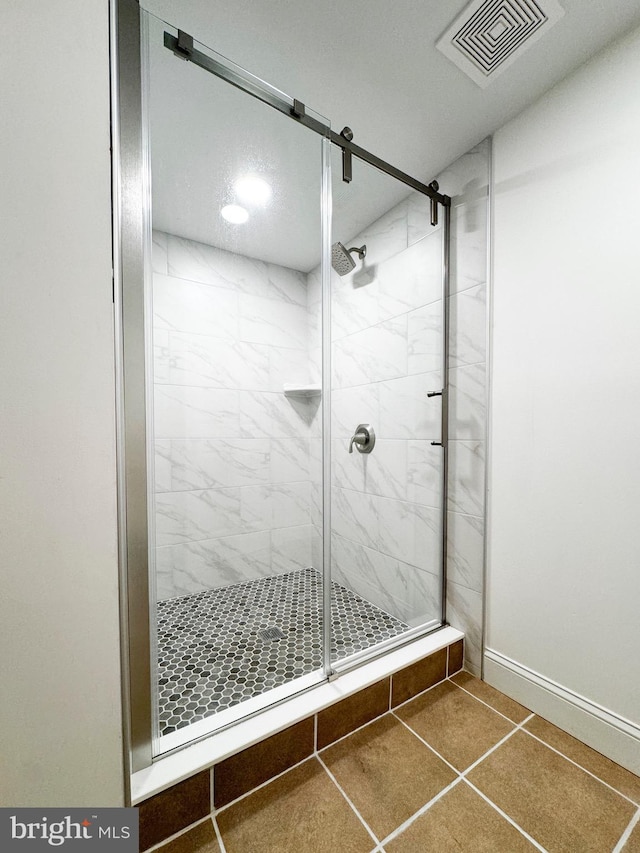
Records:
x=600, y=728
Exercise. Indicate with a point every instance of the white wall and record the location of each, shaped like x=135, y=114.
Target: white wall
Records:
x=564, y=537
x=60, y=721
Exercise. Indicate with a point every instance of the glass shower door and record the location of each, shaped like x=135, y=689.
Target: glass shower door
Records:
x=387, y=358
x=235, y=323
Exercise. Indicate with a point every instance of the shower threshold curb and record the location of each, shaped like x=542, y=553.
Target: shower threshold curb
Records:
x=171, y=769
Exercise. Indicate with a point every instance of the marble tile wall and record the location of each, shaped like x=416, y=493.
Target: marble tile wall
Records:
x=235, y=459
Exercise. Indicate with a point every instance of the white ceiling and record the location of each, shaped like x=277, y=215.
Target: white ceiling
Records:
x=369, y=64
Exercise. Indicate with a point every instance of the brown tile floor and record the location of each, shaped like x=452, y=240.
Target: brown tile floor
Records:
x=459, y=768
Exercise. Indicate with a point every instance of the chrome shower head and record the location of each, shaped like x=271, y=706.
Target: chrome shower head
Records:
x=341, y=259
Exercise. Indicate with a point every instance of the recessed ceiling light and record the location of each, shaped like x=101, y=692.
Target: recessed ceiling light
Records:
x=234, y=213
x=252, y=189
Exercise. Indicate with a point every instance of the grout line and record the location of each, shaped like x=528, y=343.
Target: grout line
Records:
x=315, y=734
x=212, y=798
x=390, y=706
x=357, y=813
x=486, y=704
x=494, y=747
x=262, y=785
x=407, y=823
x=422, y=692
x=627, y=833
x=216, y=828
x=461, y=776
x=352, y=732
x=580, y=767
x=178, y=834
x=506, y=817
x=428, y=745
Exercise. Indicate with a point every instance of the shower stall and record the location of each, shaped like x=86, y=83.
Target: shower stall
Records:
x=283, y=304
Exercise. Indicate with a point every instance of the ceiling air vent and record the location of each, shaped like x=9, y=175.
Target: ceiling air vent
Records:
x=491, y=34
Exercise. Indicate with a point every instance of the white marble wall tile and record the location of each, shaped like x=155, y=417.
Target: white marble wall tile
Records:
x=291, y=504
x=290, y=459
x=287, y=365
x=272, y=415
x=271, y=321
x=162, y=466
x=186, y=412
x=412, y=278
x=354, y=304
x=159, y=252
x=464, y=611
x=384, y=238
x=209, y=265
x=405, y=409
x=256, y=507
x=419, y=217
x=189, y=464
x=315, y=363
x=385, y=469
x=210, y=564
x=421, y=594
x=348, y=469
x=374, y=354
x=409, y=532
x=467, y=406
x=275, y=505
x=424, y=473
x=466, y=477
x=353, y=406
x=363, y=571
x=467, y=330
x=314, y=289
x=356, y=563
x=194, y=261
x=213, y=363
x=317, y=551
x=316, y=450
x=355, y=516
x=291, y=548
x=315, y=503
x=287, y=284
x=186, y=306
x=161, y=356
x=398, y=588
x=465, y=550
x=190, y=516
x=424, y=338
x=469, y=243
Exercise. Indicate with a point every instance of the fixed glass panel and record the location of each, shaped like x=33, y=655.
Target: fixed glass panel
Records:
x=387, y=476
x=235, y=321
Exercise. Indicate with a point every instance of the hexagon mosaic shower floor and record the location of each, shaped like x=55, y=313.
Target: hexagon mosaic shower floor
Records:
x=211, y=654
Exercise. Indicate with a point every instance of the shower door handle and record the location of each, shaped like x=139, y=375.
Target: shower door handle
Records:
x=444, y=417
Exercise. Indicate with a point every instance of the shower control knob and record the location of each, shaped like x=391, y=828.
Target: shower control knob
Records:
x=364, y=439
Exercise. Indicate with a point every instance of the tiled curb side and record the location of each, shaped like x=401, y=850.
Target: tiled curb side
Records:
x=173, y=810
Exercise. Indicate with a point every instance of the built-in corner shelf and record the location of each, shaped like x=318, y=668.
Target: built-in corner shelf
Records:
x=294, y=389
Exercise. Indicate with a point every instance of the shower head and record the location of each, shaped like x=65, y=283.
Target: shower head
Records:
x=341, y=259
